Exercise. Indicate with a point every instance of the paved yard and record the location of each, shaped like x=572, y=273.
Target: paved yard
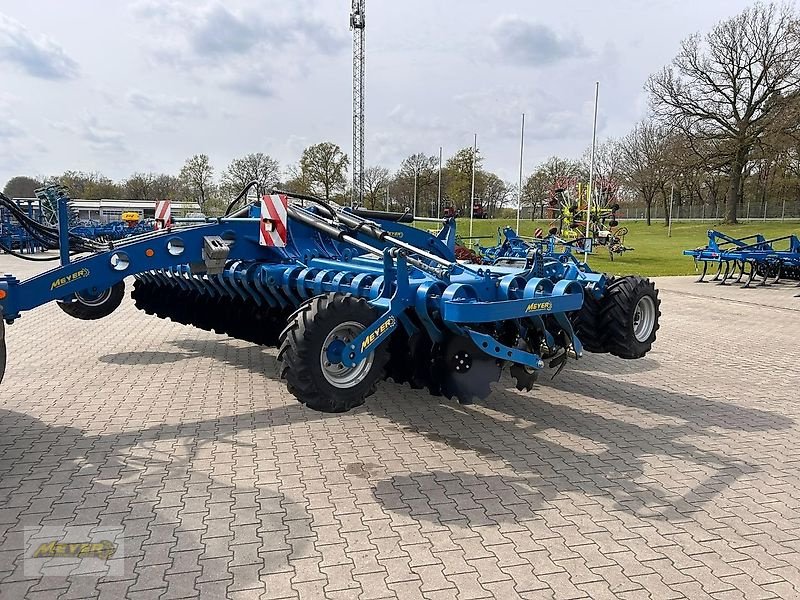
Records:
x=675, y=475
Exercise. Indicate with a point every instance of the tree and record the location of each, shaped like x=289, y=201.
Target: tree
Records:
x=727, y=90
x=535, y=193
x=152, y=186
x=256, y=166
x=495, y=193
x=459, y=178
x=643, y=153
x=418, y=172
x=607, y=170
x=323, y=169
x=89, y=186
x=376, y=180
x=197, y=175
x=21, y=187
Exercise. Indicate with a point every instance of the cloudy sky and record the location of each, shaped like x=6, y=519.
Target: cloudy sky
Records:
x=120, y=87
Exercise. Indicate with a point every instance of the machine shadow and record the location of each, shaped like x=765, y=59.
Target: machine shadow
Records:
x=61, y=476
x=543, y=450
x=609, y=365
x=699, y=410
x=144, y=358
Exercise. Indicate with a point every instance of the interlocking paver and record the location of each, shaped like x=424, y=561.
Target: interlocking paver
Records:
x=619, y=479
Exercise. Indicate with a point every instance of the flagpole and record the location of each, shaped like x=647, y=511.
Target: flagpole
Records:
x=591, y=175
x=519, y=191
x=472, y=193
x=439, y=196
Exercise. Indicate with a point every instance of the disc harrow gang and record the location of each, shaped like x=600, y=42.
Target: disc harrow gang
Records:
x=352, y=297
x=751, y=260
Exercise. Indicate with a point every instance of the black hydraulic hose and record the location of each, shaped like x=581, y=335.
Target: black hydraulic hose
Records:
x=26, y=256
x=241, y=195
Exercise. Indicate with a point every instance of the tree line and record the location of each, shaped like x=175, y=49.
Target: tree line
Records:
x=322, y=171
x=724, y=126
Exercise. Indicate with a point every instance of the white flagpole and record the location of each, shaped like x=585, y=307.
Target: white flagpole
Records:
x=591, y=174
x=439, y=198
x=519, y=191
x=472, y=193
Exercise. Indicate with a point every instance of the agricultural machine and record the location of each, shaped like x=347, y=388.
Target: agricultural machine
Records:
x=603, y=230
x=746, y=258
x=349, y=296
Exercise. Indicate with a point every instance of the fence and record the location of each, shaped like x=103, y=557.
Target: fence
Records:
x=767, y=210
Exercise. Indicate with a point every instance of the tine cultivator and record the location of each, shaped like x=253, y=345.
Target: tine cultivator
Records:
x=351, y=297
x=749, y=260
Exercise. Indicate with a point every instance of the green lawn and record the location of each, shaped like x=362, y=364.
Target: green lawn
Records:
x=654, y=253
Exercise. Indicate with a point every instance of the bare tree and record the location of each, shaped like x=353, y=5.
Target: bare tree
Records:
x=420, y=170
x=197, y=176
x=726, y=90
x=376, y=180
x=255, y=166
x=643, y=153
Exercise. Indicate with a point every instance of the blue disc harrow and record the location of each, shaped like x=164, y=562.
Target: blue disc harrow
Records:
x=351, y=297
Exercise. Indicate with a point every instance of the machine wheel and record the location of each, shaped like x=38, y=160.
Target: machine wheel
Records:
x=588, y=324
x=304, y=345
x=630, y=313
x=92, y=304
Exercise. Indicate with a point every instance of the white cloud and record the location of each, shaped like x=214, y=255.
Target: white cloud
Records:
x=36, y=55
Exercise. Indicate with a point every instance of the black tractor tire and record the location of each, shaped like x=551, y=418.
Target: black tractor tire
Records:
x=95, y=304
x=302, y=347
x=630, y=310
x=588, y=323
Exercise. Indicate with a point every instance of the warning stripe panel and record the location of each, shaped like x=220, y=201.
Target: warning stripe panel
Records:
x=274, y=212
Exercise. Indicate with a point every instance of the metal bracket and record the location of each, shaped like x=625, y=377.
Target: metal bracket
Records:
x=215, y=254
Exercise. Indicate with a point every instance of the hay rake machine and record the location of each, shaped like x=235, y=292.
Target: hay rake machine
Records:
x=745, y=259
x=351, y=297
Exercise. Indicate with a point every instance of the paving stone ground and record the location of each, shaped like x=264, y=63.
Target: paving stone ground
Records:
x=668, y=477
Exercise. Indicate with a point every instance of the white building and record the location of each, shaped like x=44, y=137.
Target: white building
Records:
x=111, y=209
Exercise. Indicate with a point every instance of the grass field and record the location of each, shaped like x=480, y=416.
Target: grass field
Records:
x=654, y=253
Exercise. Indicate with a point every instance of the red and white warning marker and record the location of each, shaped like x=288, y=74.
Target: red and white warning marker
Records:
x=272, y=229
x=163, y=214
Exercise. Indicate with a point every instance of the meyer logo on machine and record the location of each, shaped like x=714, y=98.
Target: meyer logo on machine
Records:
x=79, y=274
x=377, y=333
x=395, y=234
x=536, y=306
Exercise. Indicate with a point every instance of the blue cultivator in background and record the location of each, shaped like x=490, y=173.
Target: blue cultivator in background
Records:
x=744, y=259
x=351, y=297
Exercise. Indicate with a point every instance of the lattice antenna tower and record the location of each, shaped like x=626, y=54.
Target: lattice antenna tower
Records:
x=357, y=25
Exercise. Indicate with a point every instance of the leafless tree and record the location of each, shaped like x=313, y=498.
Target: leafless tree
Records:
x=256, y=166
x=726, y=90
x=376, y=180
x=197, y=176
x=643, y=161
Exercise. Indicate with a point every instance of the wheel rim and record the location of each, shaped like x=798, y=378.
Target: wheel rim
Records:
x=334, y=371
x=90, y=299
x=644, y=318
